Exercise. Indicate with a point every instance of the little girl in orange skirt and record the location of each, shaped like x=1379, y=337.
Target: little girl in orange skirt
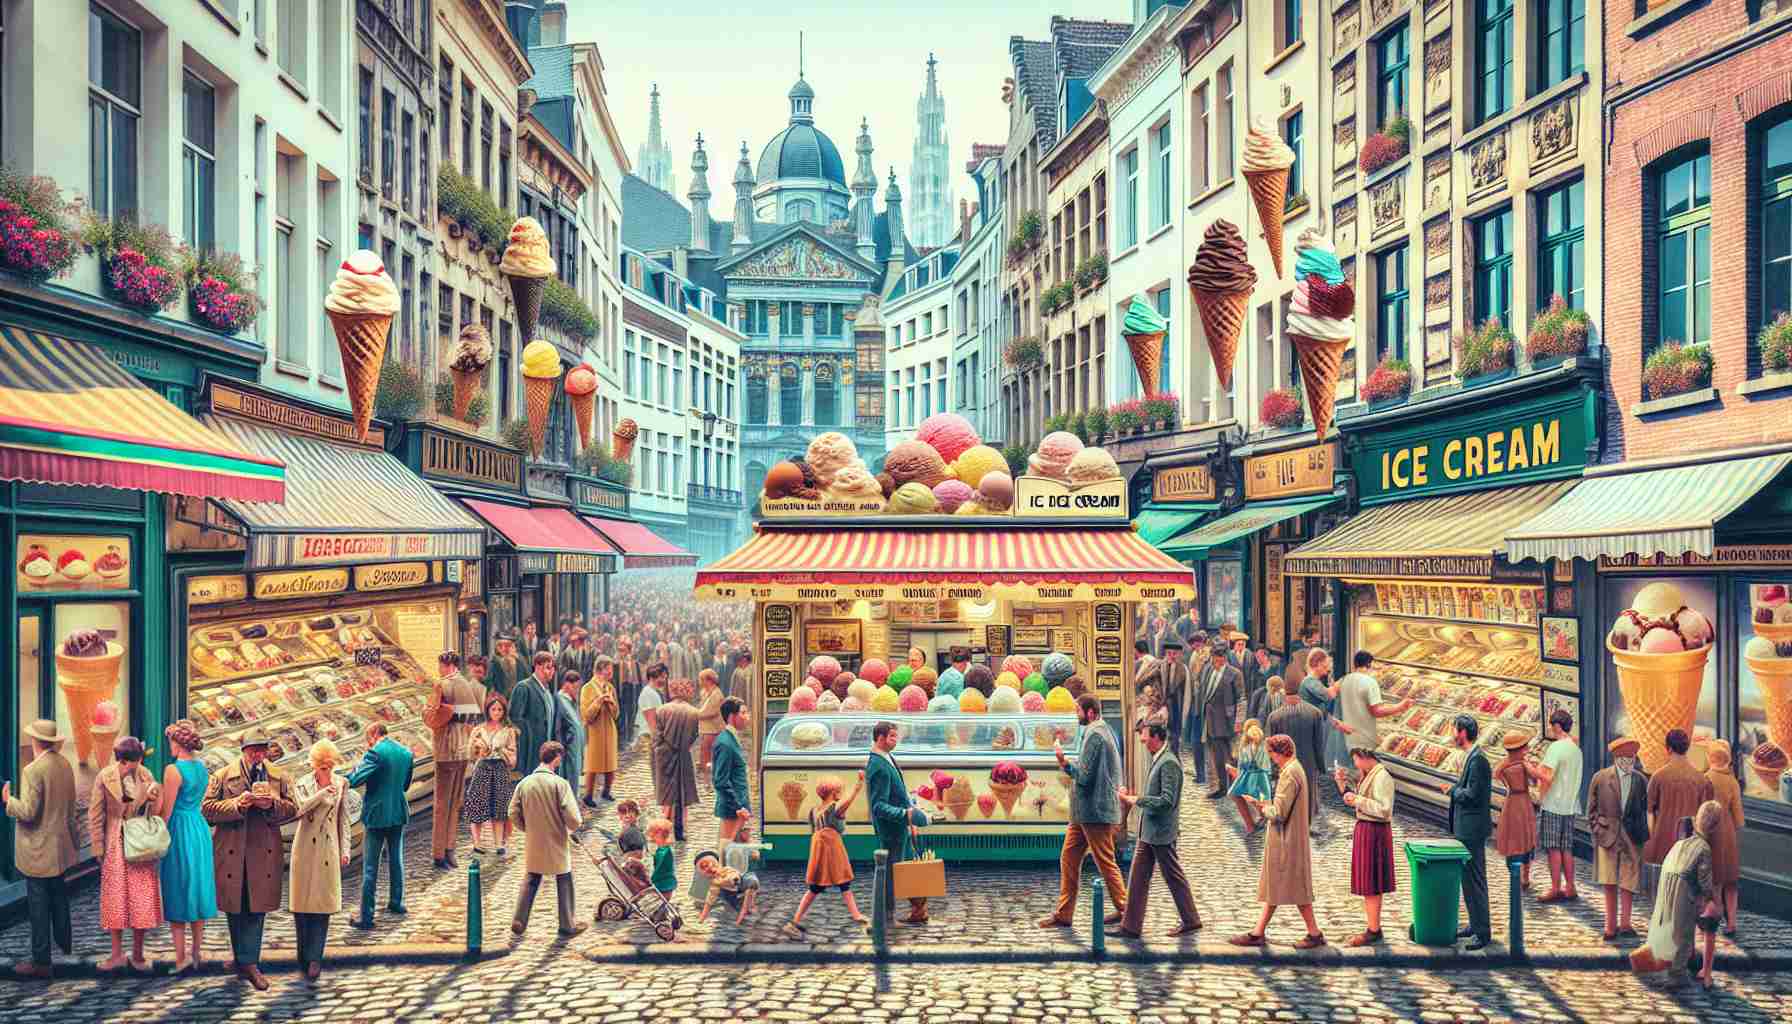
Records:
x=828, y=863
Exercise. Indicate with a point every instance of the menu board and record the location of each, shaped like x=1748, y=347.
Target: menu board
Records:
x=58, y=563
x=779, y=618
x=1297, y=604
x=777, y=684
x=777, y=650
x=996, y=639
x=418, y=629
x=1275, y=614
x=877, y=639
x=1108, y=618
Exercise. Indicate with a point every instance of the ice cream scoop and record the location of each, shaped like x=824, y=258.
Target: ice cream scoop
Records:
x=853, y=484
x=972, y=701
x=995, y=492
x=885, y=700
x=951, y=494
x=1759, y=647
x=1057, y=667
x=902, y=676
x=943, y=702
x=1658, y=601
x=977, y=460
x=472, y=349
x=1324, y=304
x=951, y=683
x=1018, y=664
x=1035, y=683
x=1059, y=701
x=1263, y=151
x=913, y=499
x=827, y=703
x=852, y=704
x=861, y=690
x=84, y=643
x=875, y=671
x=1032, y=703
x=829, y=453
x=1222, y=264
x=802, y=699
x=1008, y=681
x=362, y=286
x=1004, y=701
x=1771, y=594
x=912, y=699
x=1142, y=319
x=1052, y=458
x=1092, y=466
x=1657, y=613
x=823, y=668
x=581, y=380
x=540, y=359
x=914, y=462
x=979, y=677
x=783, y=480
x=527, y=253
x=927, y=679
x=949, y=434
x=105, y=715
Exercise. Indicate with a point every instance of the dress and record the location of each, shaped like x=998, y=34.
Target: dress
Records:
x=1517, y=832
x=490, y=786
x=1726, y=856
x=1253, y=774
x=130, y=894
x=189, y=892
x=1680, y=899
x=828, y=863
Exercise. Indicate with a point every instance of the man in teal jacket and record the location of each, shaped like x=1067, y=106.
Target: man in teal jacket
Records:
x=893, y=814
x=728, y=772
x=535, y=710
x=386, y=772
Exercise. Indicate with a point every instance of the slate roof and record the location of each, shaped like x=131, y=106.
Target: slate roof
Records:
x=553, y=71
x=801, y=151
x=1077, y=47
x=1081, y=45
x=1035, y=73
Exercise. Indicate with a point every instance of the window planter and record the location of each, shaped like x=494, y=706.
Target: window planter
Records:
x=1676, y=369
x=1480, y=380
x=1558, y=333
x=221, y=293
x=1282, y=409
x=1385, y=146
x=1388, y=384
x=1484, y=353
x=140, y=265
x=38, y=231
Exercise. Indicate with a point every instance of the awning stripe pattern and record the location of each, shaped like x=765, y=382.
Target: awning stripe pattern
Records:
x=70, y=415
x=541, y=529
x=1248, y=520
x=1669, y=511
x=1157, y=524
x=641, y=548
x=1458, y=525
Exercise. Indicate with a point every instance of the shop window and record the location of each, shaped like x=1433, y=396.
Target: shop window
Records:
x=1618, y=593
x=1763, y=702
x=1683, y=250
x=88, y=678
x=1224, y=592
x=1561, y=246
x=1776, y=220
x=31, y=626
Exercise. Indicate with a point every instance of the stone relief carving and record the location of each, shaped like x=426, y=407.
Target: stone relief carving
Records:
x=1347, y=26
x=1437, y=346
x=1553, y=130
x=1387, y=204
x=798, y=258
x=1487, y=162
x=1437, y=239
x=1344, y=143
x=1344, y=89
x=1344, y=225
x=1381, y=10
x=1437, y=288
x=1437, y=72
x=1437, y=180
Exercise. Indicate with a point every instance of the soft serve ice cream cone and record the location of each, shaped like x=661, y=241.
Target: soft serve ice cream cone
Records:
x=1660, y=647
x=1144, y=332
x=527, y=265
x=581, y=390
x=1265, y=164
x=466, y=365
x=361, y=304
x=1220, y=281
x=541, y=372
x=1321, y=323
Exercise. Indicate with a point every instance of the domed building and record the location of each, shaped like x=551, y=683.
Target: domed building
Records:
x=801, y=174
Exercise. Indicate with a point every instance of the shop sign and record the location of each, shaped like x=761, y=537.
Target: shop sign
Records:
x=996, y=640
x=795, y=590
x=1032, y=638
x=1508, y=445
x=1043, y=497
x=1452, y=567
x=534, y=563
x=64, y=564
x=217, y=589
x=391, y=576
x=1723, y=556
x=294, y=419
x=600, y=496
x=272, y=549
x=1562, y=677
x=779, y=618
x=580, y=563
x=1184, y=483
x=1288, y=474
x=279, y=586
x=1275, y=616
x=448, y=457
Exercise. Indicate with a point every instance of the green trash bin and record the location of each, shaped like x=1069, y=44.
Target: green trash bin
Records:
x=1435, y=866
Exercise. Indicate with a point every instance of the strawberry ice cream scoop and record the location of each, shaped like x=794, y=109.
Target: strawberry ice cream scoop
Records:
x=949, y=434
x=1659, y=622
x=1052, y=459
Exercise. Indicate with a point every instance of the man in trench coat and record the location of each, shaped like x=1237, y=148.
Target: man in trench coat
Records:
x=246, y=804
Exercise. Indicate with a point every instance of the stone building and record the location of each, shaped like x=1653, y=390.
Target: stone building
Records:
x=931, y=220
x=653, y=159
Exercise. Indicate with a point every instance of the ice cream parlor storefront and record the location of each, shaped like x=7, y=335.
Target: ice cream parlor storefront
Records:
x=1685, y=549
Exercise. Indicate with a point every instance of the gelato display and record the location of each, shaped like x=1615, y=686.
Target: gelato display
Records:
x=361, y=304
x=976, y=462
x=1265, y=164
x=467, y=366
x=915, y=462
x=829, y=454
x=581, y=391
x=949, y=434
x=1221, y=281
x=1321, y=323
x=528, y=263
x=1052, y=458
x=1092, y=466
x=1660, y=648
x=541, y=373
x=1144, y=332
x=912, y=499
x=622, y=439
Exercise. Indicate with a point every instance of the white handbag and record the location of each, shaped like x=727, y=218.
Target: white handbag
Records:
x=145, y=837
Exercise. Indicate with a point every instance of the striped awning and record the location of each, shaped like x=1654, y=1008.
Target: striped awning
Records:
x=641, y=548
x=970, y=562
x=70, y=415
x=1669, y=511
x=1158, y=523
x=1451, y=537
x=345, y=504
x=1248, y=520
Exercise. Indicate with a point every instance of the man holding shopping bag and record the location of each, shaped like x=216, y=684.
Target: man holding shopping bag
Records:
x=893, y=814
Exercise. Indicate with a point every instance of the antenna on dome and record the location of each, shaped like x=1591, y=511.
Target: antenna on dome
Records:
x=799, y=54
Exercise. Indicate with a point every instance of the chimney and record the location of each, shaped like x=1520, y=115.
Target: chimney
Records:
x=964, y=222
x=681, y=262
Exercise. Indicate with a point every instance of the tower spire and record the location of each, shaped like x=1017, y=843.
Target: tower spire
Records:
x=743, y=202
x=864, y=193
x=699, y=197
x=654, y=157
x=930, y=171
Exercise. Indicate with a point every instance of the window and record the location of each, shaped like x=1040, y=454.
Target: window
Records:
x=199, y=198
x=1101, y=212
x=1493, y=57
x=1493, y=268
x=115, y=77
x=504, y=170
x=1129, y=198
x=1561, y=245
x=466, y=127
x=1776, y=220
x=407, y=280
x=328, y=217
x=1391, y=59
x=445, y=103
x=505, y=387
x=388, y=141
x=1160, y=182
x=485, y=146
x=790, y=396
x=1390, y=304
x=1563, y=41
x=1683, y=250
x=1161, y=300
x=260, y=161
x=294, y=39
x=291, y=309
x=1224, y=155
x=1287, y=23
x=329, y=56
x=1291, y=135
x=406, y=163
x=367, y=126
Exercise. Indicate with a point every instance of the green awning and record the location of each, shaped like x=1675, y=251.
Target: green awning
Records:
x=1670, y=511
x=1158, y=523
x=1248, y=520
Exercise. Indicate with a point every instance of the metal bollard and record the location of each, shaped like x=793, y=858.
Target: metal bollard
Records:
x=1098, y=942
x=880, y=902
x=1515, y=909
x=475, y=909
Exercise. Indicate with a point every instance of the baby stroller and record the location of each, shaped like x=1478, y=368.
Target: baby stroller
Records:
x=629, y=896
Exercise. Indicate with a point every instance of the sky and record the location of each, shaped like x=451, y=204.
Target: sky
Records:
x=724, y=70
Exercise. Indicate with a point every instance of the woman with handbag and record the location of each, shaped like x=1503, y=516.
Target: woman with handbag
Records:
x=319, y=853
x=189, y=892
x=127, y=839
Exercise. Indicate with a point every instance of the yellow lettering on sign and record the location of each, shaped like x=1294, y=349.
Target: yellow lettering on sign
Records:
x=1546, y=443
x=1517, y=455
x=1401, y=477
x=1421, y=473
x=1496, y=452
x=1474, y=448
x=1453, y=470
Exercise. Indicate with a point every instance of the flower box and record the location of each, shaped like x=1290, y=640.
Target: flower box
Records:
x=1385, y=146
x=1389, y=382
x=1558, y=332
x=1282, y=409
x=1483, y=350
x=1675, y=369
x=38, y=233
x=221, y=292
x=1775, y=344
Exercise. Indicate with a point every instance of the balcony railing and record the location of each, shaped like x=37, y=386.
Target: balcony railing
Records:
x=713, y=495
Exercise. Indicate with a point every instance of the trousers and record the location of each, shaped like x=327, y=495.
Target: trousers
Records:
x=391, y=842
x=1219, y=751
x=1097, y=841
x=245, y=933
x=451, y=792
x=46, y=900
x=525, y=901
x=1474, y=890
x=1146, y=856
x=313, y=929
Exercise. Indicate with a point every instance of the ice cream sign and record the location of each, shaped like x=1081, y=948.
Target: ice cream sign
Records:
x=1044, y=497
x=1501, y=447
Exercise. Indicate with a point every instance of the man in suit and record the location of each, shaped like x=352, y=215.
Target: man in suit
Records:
x=44, y=843
x=740, y=683
x=507, y=666
x=1676, y=791
x=1159, y=807
x=246, y=804
x=386, y=772
x=1471, y=821
x=1306, y=725
x=1220, y=688
x=728, y=772
x=533, y=643
x=893, y=815
x=544, y=810
x=1618, y=817
x=452, y=714
x=576, y=656
x=1170, y=676
x=1094, y=815
x=533, y=710
x=569, y=728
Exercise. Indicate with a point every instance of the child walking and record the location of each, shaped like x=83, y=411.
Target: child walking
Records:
x=1250, y=777
x=828, y=863
x=665, y=869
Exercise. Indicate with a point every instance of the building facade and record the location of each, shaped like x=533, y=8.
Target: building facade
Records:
x=931, y=220
x=1075, y=298
x=980, y=331
x=917, y=317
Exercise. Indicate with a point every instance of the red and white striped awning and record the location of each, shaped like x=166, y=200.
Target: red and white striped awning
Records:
x=971, y=562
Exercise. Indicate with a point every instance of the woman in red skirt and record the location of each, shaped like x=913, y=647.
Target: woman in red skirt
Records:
x=1372, y=848
x=828, y=863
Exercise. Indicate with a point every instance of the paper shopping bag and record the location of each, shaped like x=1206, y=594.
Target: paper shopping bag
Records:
x=919, y=879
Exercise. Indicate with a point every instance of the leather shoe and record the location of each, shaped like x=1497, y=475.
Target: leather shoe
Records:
x=313, y=969
x=1465, y=933
x=1184, y=929
x=516, y=927
x=252, y=975
x=1365, y=938
x=397, y=909
x=1122, y=933
x=1475, y=944
x=1310, y=942
x=1248, y=940
x=1053, y=922
x=1114, y=918
x=575, y=929
x=440, y=863
x=27, y=969
x=357, y=923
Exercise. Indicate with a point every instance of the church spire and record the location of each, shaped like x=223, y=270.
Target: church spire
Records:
x=864, y=193
x=930, y=171
x=898, y=257
x=743, y=201
x=802, y=96
x=654, y=157
x=699, y=197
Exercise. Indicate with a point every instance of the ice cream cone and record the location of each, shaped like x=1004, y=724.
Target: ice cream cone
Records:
x=538, y=395
x=958, y=799
x=1147, y=358
x=1269, y=191
x=622, y=445
x=1774, y=677
x=467, y=383
x=1775, y=631
x=527, y=293
x=1222, y=319
x=1320, y=359
x=103, y=740
x=1008, y=793
x=361, y=338
x=85, y=682
x=793, y=804
x=583, y=406
x=1661, y=694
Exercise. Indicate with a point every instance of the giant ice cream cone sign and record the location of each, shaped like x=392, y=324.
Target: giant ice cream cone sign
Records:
x=87, y=669
x=1144, y=332
x=1220, y=282
x=581, y=391
x=1660, y=648
x=467, y=365
x=541, y=377
x=527, y=265
x=1265, y=165
x=361, y=304
x=1768, y=655
x=622, y=440
x=1321, y=323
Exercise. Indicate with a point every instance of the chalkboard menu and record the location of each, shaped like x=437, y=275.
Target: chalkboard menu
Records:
x=777, y=651
x=779, y=618
x=777, y=684
x=1107, y=618
x=1107, y=650
x=996, y=638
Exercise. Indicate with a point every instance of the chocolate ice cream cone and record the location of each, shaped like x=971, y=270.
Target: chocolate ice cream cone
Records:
x=1269, y=191
x=1774, y=677
x=622, y=443
x=85, y=682
x=527, y=293
x=1320, y=359
x=361, y=338
x=1661, y=694
x=1147, y=358
x=583, y=406
x=538, y=396
x=959, y=799
x=1222, y=319
x=467, y=384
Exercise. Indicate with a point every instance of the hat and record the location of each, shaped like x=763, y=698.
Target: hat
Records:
x=505, y=634
x=1624, y=746
x=1236, y=636
x=44, y=731
x=255, y=737
x=1172, y=642
x=1515, y=740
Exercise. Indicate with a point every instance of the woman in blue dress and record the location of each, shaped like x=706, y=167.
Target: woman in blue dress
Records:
x=1250, y=777
x=189, y=894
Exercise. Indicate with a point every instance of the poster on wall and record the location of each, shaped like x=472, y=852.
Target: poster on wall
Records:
x=1275, y=613
x=1561, y=639
x=1297, y=605
x=49, y=563
x=833, y=637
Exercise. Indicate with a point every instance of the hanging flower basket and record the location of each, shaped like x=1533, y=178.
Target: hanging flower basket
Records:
x=1282, y=408
x=38, y=234
x=221, y=292
x=1390, y=381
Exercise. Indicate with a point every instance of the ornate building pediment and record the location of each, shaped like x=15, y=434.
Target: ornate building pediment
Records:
x=798, y=256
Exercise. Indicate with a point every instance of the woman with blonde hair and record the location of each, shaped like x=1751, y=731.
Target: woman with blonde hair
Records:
x=1726, y=857
x=130, y=893
x=1683, y=903
x=319, y=853
x=189, y=889
x=1250, y=776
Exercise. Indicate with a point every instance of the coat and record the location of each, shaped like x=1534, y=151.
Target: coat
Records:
x=892, y=811
x=571, y=659
x=1607, y=811
x=532, y=711
x=246, y=839
x=1222, y=694
x=598, y=707
x=43, y=804
x=1096, y=772
x=503, y=674
x=1160, y=804
x=740, y=684
x=1471, y=800
x=1675, y=792
x=1306, y=725
x=107, y=806
x=463, y=696
x=709, y=711
x=386, y=772
x=728, y=776
x=314, y=879
x=569, y=730
x=543, y=809
x=1171, y=682
x=1726, y=856
x=1517, y=834
x=1287, y=875
x=675, y=731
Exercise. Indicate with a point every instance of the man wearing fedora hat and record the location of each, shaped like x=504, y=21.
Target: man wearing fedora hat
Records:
x=246, y=804
x=44, y=843
x=507, y=666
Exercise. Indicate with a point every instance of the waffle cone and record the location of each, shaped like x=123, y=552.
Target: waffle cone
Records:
x=467, y=384
x=1661, y=694
x=1774, y=677
x=1770, y=777
x=958, y=800
x=583, y=406
x=622, y=446
x=1008, y=793
x=1222, y=319
x=1775, y=631
x=792, y=804
x=361, y=338
x=527, y=293
x=85, y=682
x=103, y=739
x=538, y=396
x=1320, y=359
x=1269, y=191
x=1147, y=358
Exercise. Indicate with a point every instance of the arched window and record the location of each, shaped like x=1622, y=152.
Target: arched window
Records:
x=755, y=481
x=757, y=411
x=790, y=396
x=799, y=209
x=827, y=406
